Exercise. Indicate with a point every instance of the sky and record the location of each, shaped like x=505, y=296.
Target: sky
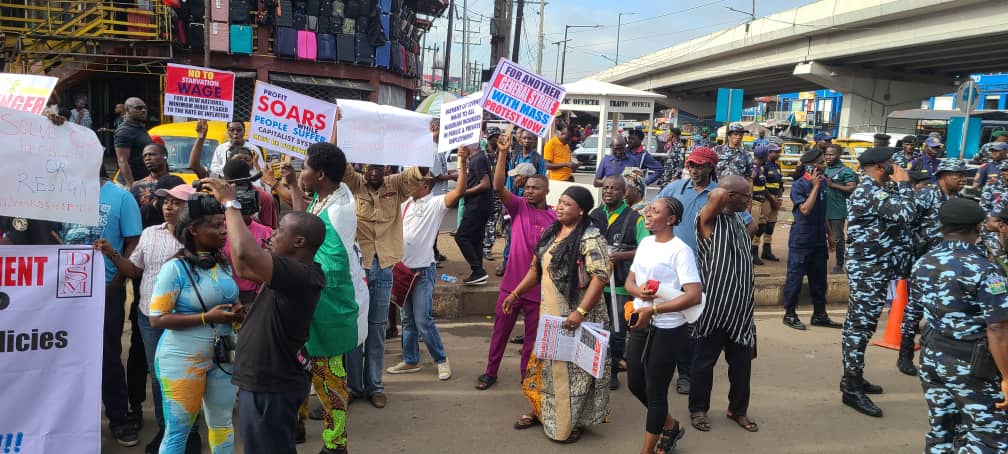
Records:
x=649, y=26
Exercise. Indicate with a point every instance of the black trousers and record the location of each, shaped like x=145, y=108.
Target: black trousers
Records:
x=739, y=358
x=267, y=421
x=136, y=364
x=804, y=262
x=686, y=355
x=114, y=395
x=469, y=236
x=650, y=367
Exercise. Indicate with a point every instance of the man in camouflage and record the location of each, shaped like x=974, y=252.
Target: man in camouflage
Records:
x=733, y=158
x=965, y=303
x=985, y=151
x=907, y=152
x=880, y=209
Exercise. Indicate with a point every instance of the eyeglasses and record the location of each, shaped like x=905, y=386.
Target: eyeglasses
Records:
x=139, y=107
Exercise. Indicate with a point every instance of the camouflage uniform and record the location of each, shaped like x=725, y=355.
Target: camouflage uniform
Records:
x=928, y=235
x=877, y=220
x=673, y=164
x=961, y=292
x=900, y=159
x=991, y=198
x=733, y=161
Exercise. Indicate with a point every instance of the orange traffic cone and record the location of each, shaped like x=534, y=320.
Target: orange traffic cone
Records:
x=893, y=334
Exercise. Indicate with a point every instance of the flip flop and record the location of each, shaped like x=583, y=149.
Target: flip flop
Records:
x=574, y=436
x=526, y=421
x=700, y=421
x=485, y=381
x=748, y=425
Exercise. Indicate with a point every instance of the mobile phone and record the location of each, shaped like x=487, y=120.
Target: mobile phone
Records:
x=633, y=319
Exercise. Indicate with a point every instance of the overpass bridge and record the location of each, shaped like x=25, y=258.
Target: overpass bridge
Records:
x=883, y=55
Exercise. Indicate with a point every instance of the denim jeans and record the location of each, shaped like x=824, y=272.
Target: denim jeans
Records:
x=364, y=365
x=417, y=320
x=150, y=338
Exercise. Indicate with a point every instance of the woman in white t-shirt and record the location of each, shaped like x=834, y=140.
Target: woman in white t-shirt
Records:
x=659, y=332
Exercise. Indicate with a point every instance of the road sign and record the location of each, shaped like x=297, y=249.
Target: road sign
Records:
x=967, y=97
x=729, y=105
x=963, y=137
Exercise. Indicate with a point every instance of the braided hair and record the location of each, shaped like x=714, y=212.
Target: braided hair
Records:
x=675, y=208
x=569, y=250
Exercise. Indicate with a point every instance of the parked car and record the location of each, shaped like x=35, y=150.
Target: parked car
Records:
x=587, y=153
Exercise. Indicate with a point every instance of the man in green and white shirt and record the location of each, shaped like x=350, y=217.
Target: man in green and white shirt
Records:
x=840, y=182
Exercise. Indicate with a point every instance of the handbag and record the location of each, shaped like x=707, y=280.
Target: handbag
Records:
x=403, y=280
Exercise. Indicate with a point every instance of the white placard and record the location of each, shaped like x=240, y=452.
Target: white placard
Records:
x=522, y=97
x=461, y=123
x=26, y=92
x=288, y=121
x=370, y=133
x=52, y=303
x=50, y=172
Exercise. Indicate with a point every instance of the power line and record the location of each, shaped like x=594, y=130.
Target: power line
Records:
x=714, y=2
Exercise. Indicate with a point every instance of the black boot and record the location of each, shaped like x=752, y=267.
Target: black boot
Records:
x=851, y=387
x=755, y=256
x=869, y=388
x=767, y=255
x=839, y=267
x=821, y=318
x=905, y=362
x=791, y=320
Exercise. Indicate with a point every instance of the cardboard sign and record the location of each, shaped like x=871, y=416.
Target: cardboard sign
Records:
x=370, y=133
x=52, y=301
x=50, y=172
x=26, y=93
x=461, y=123
x=522, y=97
x=201, y=93
x=288, y=121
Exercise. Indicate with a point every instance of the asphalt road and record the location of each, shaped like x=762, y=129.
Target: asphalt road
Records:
x=795, y=399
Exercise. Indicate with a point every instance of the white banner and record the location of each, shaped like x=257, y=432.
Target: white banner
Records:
x=26, y=92
x=461, y=123
x=50, y=172
x=52, y=306
x=370, y=133
x=288, y=121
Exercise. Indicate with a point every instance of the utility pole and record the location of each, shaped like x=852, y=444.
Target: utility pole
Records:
x=542, y=15
x=519, y=16
x=500, y=31
x=467, y=41
x=619, y=24
x=206, y=33
x=447, y=53
x=556, y=68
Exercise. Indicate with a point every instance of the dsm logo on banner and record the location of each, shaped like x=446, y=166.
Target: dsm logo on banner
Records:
x=52, y=309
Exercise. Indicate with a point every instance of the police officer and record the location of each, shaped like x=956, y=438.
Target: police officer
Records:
x=964, y=361
x=759, y=199
x=822, y=140
x=881, y=140
x=808, y=242
x=929, y=158
x=774, y=188
x=879, y=211
x=951, y=179
x=733, y=159
x=989, y=171
x=907, y=153
x=984, y=153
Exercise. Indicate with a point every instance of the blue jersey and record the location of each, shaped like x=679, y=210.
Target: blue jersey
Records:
x=807, y=232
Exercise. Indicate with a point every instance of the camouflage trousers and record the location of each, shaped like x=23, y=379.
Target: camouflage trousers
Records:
x=867, y=299
x=961, y=407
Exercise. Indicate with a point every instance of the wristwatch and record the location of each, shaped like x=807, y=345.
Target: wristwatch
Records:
x=233, y=204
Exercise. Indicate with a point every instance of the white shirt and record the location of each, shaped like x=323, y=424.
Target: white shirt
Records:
x=156, y=246
x=672, y=264
x=421, y=221
x=221, y=155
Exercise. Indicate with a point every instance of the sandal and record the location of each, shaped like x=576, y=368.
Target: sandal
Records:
x=700, y=421
x=574, y=436
x=499, y=271
x=621, y=365
x=743, y=422
x=485, y=381
x=526, y=421
x=669, y=437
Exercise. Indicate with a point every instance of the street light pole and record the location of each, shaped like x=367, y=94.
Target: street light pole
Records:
x=563, y=59
x=619, y=24
x=556, y=67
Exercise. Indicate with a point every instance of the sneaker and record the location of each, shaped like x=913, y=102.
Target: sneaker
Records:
x=476, y=278
x=443, y=370
x=403, y=368
x=135, y=417
x=126, y=435
x=488, y=255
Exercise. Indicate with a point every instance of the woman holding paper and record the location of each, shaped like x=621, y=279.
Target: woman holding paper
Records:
x=572, y=266
x=664, y=281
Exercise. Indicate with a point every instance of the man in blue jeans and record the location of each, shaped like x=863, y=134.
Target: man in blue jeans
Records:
x=380, y=235
x=422, y=216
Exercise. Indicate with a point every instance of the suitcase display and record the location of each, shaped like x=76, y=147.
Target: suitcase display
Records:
x=338, y=8
x=395, y=57
x=345, y=51
x=349, y=26
x=362, y=23
x=241, y=39
x=307, y=45
x=312, y=23
x=324, y=24
x=384, y=6
x=219, y=37
x=196, y=9
x=312, y=7
x=285, y=42
x=326, y=47
x=239, y=12
x=402, y=59
x=364, y=53
x=300, y=21
x=219, y=10
x=284, y=16
x=194, y=34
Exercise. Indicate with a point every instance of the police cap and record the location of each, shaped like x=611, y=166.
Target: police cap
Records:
x=999, y=146
x=811, y=156
x=961, y=211
x=910, y=139
x=951, y=165
x=882, y=136
x=918, y=175
x=876, y=155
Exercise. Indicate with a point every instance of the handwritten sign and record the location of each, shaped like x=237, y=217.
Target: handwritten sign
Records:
x=195, y=92
x=461, y=123
x=50, y=172
x=24, y=92
x=288, y=121
x=522, y=97
x=379, y=134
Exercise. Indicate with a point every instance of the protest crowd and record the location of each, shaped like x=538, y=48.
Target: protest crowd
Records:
x=248, y=294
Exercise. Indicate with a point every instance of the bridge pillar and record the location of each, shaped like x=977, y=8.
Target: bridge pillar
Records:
x=869, y=96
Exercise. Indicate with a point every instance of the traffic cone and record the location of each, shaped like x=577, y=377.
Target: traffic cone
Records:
x=893, y=331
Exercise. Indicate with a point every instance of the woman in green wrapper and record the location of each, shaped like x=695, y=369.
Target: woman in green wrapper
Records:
x=334, y=329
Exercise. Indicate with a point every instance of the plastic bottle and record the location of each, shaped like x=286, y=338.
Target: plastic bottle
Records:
x=449, y=278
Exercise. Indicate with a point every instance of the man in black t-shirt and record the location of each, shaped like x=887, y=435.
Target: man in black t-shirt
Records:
x=272, y=381
x=130, y=139
x=478, y=207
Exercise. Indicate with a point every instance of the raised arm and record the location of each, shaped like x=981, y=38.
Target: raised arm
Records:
x=196, y=154
x=453, y=197
x=249, y=259
x=500, y=175
x=716, y=202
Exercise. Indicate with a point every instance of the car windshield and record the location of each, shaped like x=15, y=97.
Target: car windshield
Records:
x=179, y=149
x=793, y=149
x=590, y=142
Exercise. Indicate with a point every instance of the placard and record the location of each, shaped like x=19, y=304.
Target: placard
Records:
x=26, y=92
x=288, y=121
x=370, y=133
x=52, y=303
x=461, y=123
x=587, y=345
x=50, y=172
x=200, y=93
x=522, y=97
